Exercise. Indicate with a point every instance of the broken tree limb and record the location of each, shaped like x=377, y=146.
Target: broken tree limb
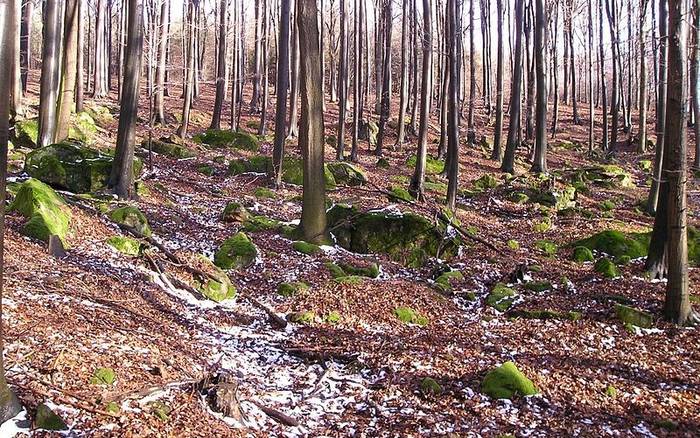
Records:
x=275, y=414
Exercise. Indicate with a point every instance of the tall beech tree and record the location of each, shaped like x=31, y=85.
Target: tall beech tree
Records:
x=539, y=163
x=416, y=187
x=654, y=191
x=385, y=99
x=161, y=66
x=357, y=90
x=695, y=79
x=50, y=72
x=342, y=81
x=9, y=404
x=498, y=127
x=192, y=8
x=25, y=46
x=121, y=179
x=642, y=144
x=69, y=71
x=313, y=223
x=403, y=97
x=220, y=67
x=508, y=164
x=282, y=87
x=101, y=52
x=452, y=161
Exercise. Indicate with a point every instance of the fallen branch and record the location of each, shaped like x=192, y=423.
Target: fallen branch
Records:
x=275, y=414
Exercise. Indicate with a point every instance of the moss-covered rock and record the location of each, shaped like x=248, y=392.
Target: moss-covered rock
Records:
x=429, y=387
x=507, y=381
x=25, y=133
x=397, y=193
x=306, y=318
x=547, y=247
x=582, y=254
x=218, y=290
x=72, y=167
x=519, y=197
x=166, y=146
x=538, y=286
x=102, y=115
x=235, y=252
x=406, y=238
x=485, y=182
x=125, y=245
x=631, y=316
x=306, y=247
x=253, y=224
x=342, y=269
x=257, y=164
x=103, y=376
x=409, y=316
x=234, y=212
x=46, y=419
x=501, y=297
x=291, y=289
x=433, y=165
x=604, y=175
x=132, y=217
x=292, y=169
x=383, y=163
x=334, y=317
x=47, y=212
x=347, y=174
x=264, y=193
x=616, y=244
x=558, y=198
x=83, y=128
x=349, y=279
x=445, y=281
x=607, y=268
x=224, y=139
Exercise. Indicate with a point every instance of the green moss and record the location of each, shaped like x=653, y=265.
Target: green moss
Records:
x=582, y=254
x=224, y=138
x=160, y=410
x=264, y=193
x=291, y=289
x=547, y=314
x=513, y=244
x=101, y=115
x=645, y=165
x=668, y=425
x=409, y=316
x=623, y=260
x=25, y=133
x=399, y=194
x=46, y=419
x=432, y=165
x=507, y=381
x=542, y=226
x=82, y=127
x=611, y=391
x=607, y=205
x=435, y=186
x=218, y=291
x=125, y=245
x=607, y=268
x=548, y=247
x=347, y=174
x=519, y=197
x=485, y=182
x=429, y=387
x=371, y=271
x=445, y=281
x=253, y=224
x=103, y=376
x=333, y=317
x=234, y=212
x=349, y=279
x=306, y=247
x=501, y=297
x=292, y=169
x=538, y=286
x=307, y=317
x=383, y=163
x=131, y=217
x=335, y=270
x=46, y=210
x=557, y=199
x=235, y=252
x=630, y=315
x=113, y=407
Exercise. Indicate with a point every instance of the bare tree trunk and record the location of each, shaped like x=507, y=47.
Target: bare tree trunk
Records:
x=403, y=99
x=262, y=129
x=79, y=63
x=611, y=10
x=9, y=404
x=498, y=129
x=100, y=86
x=695, y=79
x=539, y=164
x=418, y=179
x=294, y=94
x=530, y=69
x=255, y=99
x=603, y=87
x=414, y=69
x=471, y=134
x=641, y=146
x=66, y=97
x=25, y=41
x=357, y=99
x=189, y=77
x=515, y=94
x=282, y=87
x=574, y=98
x=342, y=81
x=122, y=178
x=311, y=137
x=677, y=304
x=386, y=77
x=49, y=72
x=161, y=68
x=591, y=108
x=555, y=70
x=16, y=79
x=453, y=97
x=220, y=67
x=654, y=191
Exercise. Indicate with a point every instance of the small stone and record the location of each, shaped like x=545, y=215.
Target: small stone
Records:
x=507, y=381
x=607, y=268
x=235, y=252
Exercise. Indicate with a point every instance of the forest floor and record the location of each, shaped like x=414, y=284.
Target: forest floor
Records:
x=359, y=376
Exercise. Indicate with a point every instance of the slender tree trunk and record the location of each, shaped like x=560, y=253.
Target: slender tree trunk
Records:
x=122, y=178
x=294, y=94
x=574, y=98
x=603, y=86
x=342, y=81
x=161, y=68
x=677, y=304
x=311, y=137
x=403, y=99
x=79, y=63
x=453, y=97
x=25, y=41
x=611, y=9
x=66, y=97
x=282, y=87
x=255, y=99
x=16, y=79
x=386, y=77
x=9, y=404
x=189, y=76
x=515, y=94
x=357, y=99
x=100, y=85
x=530, y=70
x=653, y=199
x=695, y=80
x=262, y=130
x=555, y=70
x=418, y=179
x=414, y=69
x=641, y=146
x=235, y=67
x=591, y=108
x=220, y=67
x=498, y=129
x=471, y=133
x=49, y=72
x=539, y=164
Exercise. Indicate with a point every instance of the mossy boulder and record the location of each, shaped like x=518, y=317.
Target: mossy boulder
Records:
x=607, y=268
x=83, y=128
x=582, y=254
x=264, y=193
x=47, y=212
x=547, y=247
x=343, y=269
x=501, y=297
x=25, y=133
x=166, y=146
x=519, y=197
x=125, y=245
x=507, y=381
x=306, y=247
x=132, y=217
x=383, y=163
x=485, y=182
x=432, y=165
x=292, y=169
x=306, y=318
x=103, y=376
x=235, y=252
x=46, y=419
x=538, y=286
x=631, y=316
x=102, y=115
x=368, y=130
x=234, y=212
x=397, y=193
x=72, y=167
x=409, y=316
x=255, y=224
x=604, y=175
x=257, y=164
x=615, y=243
x=347, y=174
x=406, y=238
x=291, y=289
x=228, y=139
x=430, y=387
x=558, y=198
x=218, y=290
x=444, y=282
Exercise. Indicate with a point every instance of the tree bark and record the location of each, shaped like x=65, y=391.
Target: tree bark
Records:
x=695, y=80
x=66, y=97
x=342, y=81
x=515, y=94
x=220, y=67
x=294, y=86
x=653, y=199
x=161, y=68
x=313, y=215
x=539, y=164
x=452, y=101
x=190, y=73
x=100, y=85
x=80, y=61
x=603, y=86
x=416, y=188
x=25, y=41
x=16, y=79
x=641, y=146
x=357, y=99
x=403, y=99
x=386, y=77
x=498, y=129
x=49, y=72
x=282, y=87
x=255, y=98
